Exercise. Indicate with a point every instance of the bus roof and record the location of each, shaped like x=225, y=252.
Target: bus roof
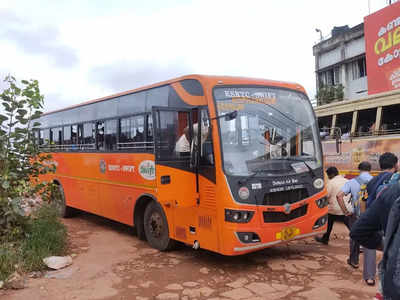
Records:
x=208, y=80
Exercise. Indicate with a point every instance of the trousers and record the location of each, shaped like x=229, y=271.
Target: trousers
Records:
x=354, y=246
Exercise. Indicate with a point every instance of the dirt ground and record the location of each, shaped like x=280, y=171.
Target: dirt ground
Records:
x=110, y=262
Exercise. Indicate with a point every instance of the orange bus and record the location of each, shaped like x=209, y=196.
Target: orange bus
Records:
x=363, y=129
x=227, y=164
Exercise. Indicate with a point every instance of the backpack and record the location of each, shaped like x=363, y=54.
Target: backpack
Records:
x=393, y=179
x=361, y=201
x=391, y=255
x=376, y=185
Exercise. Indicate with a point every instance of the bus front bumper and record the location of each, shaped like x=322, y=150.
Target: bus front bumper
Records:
x=277, y=233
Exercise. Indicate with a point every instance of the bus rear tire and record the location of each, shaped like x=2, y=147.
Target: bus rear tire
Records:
x=58, y=199
x=156, y=227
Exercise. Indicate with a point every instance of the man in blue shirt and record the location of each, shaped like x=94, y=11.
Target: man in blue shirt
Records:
x=353, y=186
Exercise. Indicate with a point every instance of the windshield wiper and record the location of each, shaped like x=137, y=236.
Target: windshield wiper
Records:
x=255, y=172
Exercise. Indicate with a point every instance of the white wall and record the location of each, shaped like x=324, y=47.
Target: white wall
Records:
x=329, y=58
x=354, y=88
x=354, y=48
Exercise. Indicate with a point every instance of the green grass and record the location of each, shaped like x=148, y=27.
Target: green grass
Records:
x=9, y=259
x=45, y=236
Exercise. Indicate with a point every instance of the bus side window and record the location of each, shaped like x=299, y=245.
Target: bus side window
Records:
x=56, y=138
x=111, y=135
x=150, y=136
x=100, y=135
x=46, y=138
x=67, y=138
x=88, y=141
x=131, y=136
x=41, y=138
x=74, y=137
x=207, y=153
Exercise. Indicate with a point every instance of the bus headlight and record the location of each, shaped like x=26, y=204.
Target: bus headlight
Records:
x=238, y=216
x=318, y=183
x=321, y=203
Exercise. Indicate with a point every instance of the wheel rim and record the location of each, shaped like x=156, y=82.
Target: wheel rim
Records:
x=156, y=225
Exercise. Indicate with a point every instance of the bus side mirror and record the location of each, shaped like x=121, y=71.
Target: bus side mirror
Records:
x=228, y=116
x=231, y=116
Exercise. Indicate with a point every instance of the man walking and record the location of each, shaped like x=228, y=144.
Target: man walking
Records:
x=353, y=187
x=333, y=186
x=367, y=231
x=388, y=165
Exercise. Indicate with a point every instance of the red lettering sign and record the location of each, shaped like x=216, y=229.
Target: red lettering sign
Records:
x=382, y=47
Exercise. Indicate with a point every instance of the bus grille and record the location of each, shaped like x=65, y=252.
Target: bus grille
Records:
x=278, y=217
x=280, y=198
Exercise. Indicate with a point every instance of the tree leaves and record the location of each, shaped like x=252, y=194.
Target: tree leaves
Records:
x=21, y=162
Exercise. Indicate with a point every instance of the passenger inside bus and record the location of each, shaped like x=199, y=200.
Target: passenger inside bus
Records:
x=183, y=146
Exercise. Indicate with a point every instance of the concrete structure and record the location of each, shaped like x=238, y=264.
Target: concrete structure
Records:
x=340, y=59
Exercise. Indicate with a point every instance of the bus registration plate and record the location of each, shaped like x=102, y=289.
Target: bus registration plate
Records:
x=287, y=233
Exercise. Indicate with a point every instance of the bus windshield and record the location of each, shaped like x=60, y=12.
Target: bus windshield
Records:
x=274, y=131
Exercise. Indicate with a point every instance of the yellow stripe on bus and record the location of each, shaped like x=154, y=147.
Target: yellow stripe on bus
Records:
x=142, y=186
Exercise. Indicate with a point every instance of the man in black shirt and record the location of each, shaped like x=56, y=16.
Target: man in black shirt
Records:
x=368, y=228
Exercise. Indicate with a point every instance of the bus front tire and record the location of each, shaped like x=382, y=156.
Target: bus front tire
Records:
x=156, y=227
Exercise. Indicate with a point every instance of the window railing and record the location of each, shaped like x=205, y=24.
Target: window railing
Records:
x=67, y=147
x=325, y=134
x=135, y=145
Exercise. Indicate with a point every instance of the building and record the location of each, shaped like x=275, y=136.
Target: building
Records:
x=340, y=65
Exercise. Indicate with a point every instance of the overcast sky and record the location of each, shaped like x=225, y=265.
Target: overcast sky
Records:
x=81, y=50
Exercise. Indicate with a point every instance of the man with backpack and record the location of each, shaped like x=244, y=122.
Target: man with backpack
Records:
x=388, y=165
x=353, y=187
x=383, y=215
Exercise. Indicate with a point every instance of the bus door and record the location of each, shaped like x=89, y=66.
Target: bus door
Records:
x=176, y=177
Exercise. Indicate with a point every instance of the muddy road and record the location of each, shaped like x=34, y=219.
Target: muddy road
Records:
x=109, y=262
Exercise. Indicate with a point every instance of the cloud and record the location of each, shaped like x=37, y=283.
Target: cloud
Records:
x=55, y=101
x=37, y=40
x=122, y=76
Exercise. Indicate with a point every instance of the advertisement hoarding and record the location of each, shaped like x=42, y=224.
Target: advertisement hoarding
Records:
x=382, y=46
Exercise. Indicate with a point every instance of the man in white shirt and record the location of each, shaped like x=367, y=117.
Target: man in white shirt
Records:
x=335, y=213
x=183, y=145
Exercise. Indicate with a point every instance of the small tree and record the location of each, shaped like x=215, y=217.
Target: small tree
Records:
x=21, y=162
x=329, y=93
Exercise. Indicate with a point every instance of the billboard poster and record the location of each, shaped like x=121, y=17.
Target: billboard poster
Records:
x=382, y=47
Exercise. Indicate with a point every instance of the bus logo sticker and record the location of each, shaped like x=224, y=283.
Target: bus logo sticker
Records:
x=102, y=166
x=147, y=169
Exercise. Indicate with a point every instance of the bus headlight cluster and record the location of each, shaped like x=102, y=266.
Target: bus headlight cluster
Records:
x=322, y=202
x=318, y=183
x=238, y=216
